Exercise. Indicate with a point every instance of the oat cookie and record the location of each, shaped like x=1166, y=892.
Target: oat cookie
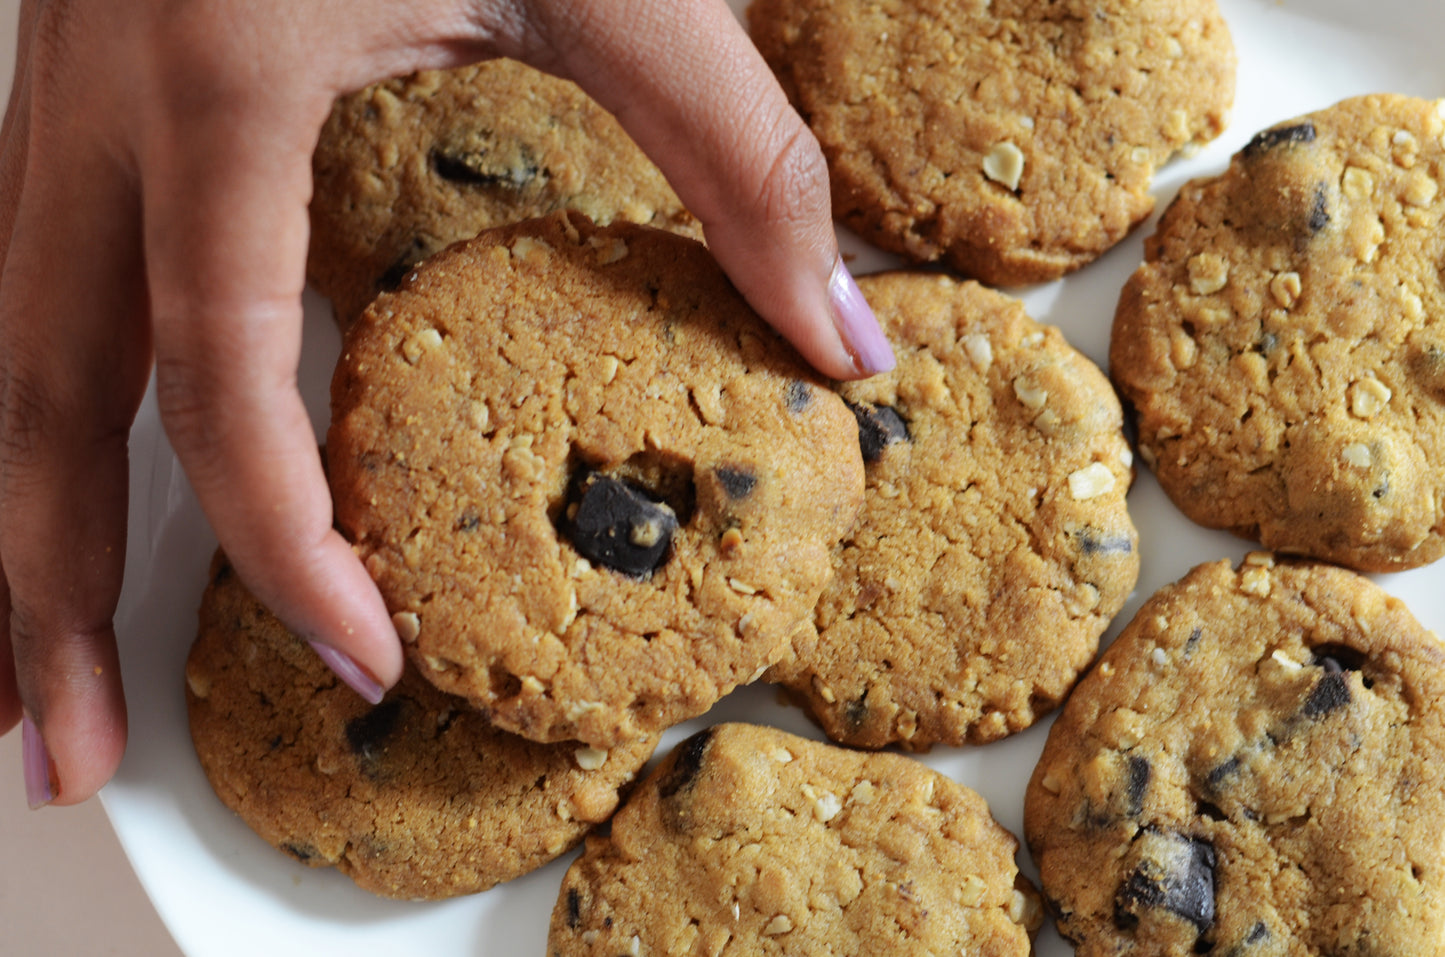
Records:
x=417, y=797
x=597, y=491
x=994, y=545
x=1011, y=139
x=406, y=167
x=1255, y=767
x=1284, y=342
x=747, y=840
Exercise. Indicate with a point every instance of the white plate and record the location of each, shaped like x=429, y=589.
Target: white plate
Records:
x=223, y=892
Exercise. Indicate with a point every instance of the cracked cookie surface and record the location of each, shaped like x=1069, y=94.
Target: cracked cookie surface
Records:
x=1253, y=768
x=415, y=798
x=1011, y=139
x=994, y=545
x=406, y=167
x=595, y=489
x=1284, y=342
x=747, y=840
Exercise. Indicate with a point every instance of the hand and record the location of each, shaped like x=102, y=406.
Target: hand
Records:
x=154, y=177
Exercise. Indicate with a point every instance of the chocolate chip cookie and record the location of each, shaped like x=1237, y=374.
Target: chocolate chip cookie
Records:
x=417, y=797
x=1254, y=767
x=406, y=167
x=747, y=840
x=994, y=545
x=1284, y=342
x=594, y=488
x=1011, y=139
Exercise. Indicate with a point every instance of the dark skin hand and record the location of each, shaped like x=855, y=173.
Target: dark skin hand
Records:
x=155, y=169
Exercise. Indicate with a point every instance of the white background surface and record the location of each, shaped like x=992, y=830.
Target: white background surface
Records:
x=223, y=892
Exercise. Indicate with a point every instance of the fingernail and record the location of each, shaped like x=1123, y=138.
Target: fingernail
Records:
x=354, y=676
x=40, y=787
x=856, y=324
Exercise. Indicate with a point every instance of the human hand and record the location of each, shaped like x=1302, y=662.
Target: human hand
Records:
x=154, y=178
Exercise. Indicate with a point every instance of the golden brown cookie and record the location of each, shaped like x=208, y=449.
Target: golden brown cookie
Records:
x=750, y=841
x=1284, y=342
x=994, y=545
x=594, y=488
x=1254, y=768
x=1011, y=139
x=417, y=797
x=406, y=167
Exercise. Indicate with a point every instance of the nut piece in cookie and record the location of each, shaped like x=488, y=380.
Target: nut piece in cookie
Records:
x=418, y=797
x=406, y=167
x=1010, y=139
x=747, y=840
x=1281, y=342
x=602, y=490
x=994, y=546
x=1253, y=763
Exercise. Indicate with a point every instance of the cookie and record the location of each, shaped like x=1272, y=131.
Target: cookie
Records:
x=747, y=840
x=594, y=488
x=406, y=167
x=415, y=798
x=1284, y=341
x=994, y=545
x=1012, y=140
x=1255, y=767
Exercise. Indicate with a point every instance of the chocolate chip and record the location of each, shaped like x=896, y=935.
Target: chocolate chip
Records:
x=1094, y=542
x=618, y=525
x=1330, y=694
x=686, y=763
x=1139, y=773
x=301, y=852
x=1280, y=136
x=1175, y=873
x=855, y=712
x=798, y=396
x=737, y=482
x=468, y=520
x=366, y=735
x=879, y=426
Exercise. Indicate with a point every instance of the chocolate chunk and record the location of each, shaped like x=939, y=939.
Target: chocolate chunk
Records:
x=1139, y=773
x=476, y=160
x=618, y=525
x=737, y=482
x=686, y=763
x=855, y=712
x=1279, y=136
x=1175, y=873
x=798, y=397
x=405, y=264
x=879, y=426
x=1320, y=211
x=1094, y=542
x=1219, y=777
x=1330, y=694
x=366, y=735
x=574, y=908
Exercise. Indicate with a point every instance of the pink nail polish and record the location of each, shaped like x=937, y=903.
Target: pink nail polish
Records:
x=35, y=759
x=856, y=324
x=352, y=674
